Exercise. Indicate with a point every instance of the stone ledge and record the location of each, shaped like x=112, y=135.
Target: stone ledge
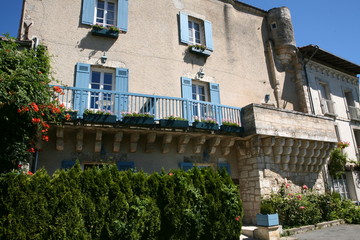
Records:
x=303, y=229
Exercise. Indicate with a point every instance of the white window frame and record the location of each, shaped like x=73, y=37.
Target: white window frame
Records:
x=202, y=110
x=326, y=103
x=102, y=105
x=192, y=38
x=106, y=2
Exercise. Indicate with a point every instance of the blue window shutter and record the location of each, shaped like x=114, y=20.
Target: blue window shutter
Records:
x=67, y=164
x=122, y=16
x=184, y=28
x=226, y=166
x=214, y=93
x=123, y=166
x=82, y=80
x=215, y=98
x=186, y=87
x=186, y=165
x=121, y=86
x=208, y=35
x=88, y=11
x=186, y=92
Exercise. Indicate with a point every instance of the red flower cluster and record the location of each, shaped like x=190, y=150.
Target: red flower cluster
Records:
x=34, y=106
x=170, y=174
x=36, y=120
x=237, y=218
x=302, y=207
x=305, y=187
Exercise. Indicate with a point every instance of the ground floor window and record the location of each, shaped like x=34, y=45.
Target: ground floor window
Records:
x=340, y=186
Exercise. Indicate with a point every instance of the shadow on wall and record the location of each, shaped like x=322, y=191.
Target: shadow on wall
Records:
x=193, y=58
x=97, y=43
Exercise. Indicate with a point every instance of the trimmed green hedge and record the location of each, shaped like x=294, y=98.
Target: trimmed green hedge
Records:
x=108, y=204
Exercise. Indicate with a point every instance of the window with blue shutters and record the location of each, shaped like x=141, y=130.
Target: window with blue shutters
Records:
x=194, y=31
x=100, y=89
x=106, y=13
x=201, y=92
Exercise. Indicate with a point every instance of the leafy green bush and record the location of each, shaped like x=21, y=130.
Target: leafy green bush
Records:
x=310, y=208
x=108, y=204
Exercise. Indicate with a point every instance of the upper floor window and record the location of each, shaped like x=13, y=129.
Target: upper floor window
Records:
x=194, y=31
x=105, y=13
x=327, y=105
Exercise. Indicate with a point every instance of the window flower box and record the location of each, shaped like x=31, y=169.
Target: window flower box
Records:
x=99, y=118
x=267, y=220
x=70, y=115
x=167, y=123
x=231, y=129
x=104, y=32
x=206, y=125
x=142, y=121
x=199, y=49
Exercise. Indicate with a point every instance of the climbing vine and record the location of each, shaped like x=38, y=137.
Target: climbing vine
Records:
x=27, y=103
x=338, y=160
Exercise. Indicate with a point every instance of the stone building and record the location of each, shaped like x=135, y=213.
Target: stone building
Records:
x=333, y=88
x=219, y=59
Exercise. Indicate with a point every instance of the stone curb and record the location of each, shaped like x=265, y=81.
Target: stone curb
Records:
x=303, y=229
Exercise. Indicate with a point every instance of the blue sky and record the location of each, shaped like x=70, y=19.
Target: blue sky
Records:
x=333, y=25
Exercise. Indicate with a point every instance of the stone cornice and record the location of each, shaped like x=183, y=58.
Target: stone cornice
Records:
x=330, y=72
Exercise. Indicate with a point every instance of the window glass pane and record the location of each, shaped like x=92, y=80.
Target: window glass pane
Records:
x=111, y=6
x=110, y=16
x=196, y=27
x=101, y=4
x=201, y=90
x=108, y=78
x=95, y=86
x=95, y=77
x=100, y=13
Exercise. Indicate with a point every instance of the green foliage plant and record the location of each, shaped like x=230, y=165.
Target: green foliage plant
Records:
x=104, y=203
x=27, y=103
x=338, y=160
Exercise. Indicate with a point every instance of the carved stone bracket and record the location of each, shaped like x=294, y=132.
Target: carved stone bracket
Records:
x=60, y=139
x=166, y=143
x=150, y=146
x=213, y=143
x=79, y=140
x=134, y=139
x=198, y=143
x=183, y=141
x=98, y=139
x=226, y=144
x=117, y=139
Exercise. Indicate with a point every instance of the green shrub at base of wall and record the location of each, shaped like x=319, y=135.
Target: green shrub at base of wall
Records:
x=108, y=204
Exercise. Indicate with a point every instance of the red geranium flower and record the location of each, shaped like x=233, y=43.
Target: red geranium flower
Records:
x=36, y=120
x=29, y=173
x=170, y=174
x=237, y=218
x=305, y=187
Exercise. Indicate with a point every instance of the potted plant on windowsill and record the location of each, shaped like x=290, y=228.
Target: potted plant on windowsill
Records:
x=174, y=122
x=230, y=126
x=200, y=49
x=133, y=118
x=267, y=216
x=206, y=124
x=98, y=116
x=111, y=31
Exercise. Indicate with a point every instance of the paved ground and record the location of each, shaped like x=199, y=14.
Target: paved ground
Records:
x=340, y=232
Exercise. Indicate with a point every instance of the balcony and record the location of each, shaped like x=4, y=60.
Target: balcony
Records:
x=160, y=106
x=354, y=113
x=327, y=107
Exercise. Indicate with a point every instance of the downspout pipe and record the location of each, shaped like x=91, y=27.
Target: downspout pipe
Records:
x=307, y=78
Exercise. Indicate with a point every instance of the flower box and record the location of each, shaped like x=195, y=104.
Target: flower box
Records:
x=73, y=116
x=99, y=118
x=145, y=121
x=227, y=128
x=267, y=220
x=205, y=125
x=173, y=123
x=104, y=32
x=200, y=51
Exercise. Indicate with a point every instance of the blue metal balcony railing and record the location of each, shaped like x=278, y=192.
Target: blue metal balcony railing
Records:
x=160, y=106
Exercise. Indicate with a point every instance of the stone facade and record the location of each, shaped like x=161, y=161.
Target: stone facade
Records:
x=253, y=60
